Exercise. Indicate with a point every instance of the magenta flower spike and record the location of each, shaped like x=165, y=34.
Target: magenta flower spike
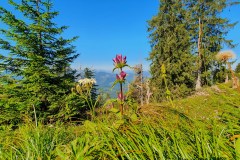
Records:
x=121, y=77
x=119, y=61
x=119, y=57
x=115, y=61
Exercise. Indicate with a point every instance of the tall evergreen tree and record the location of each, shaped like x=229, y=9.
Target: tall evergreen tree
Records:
x=208, y=30
x=170, y=42
x=237, y=70
x=36, y=71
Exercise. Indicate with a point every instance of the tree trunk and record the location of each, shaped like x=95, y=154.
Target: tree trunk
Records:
x=226, y=79
x=234, y=78
x=198, y=82
x=141, y=89
x=148, y=94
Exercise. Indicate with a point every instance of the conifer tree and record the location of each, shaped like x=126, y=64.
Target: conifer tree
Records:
x=36, y=71
x=208, y=30
x=170, y=42
x=237, y=70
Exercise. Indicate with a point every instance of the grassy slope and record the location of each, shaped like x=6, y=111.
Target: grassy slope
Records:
x=201, y=126
x=217, y=102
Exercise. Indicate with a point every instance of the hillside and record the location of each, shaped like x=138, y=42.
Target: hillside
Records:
x=203, y=126
x=216, y=101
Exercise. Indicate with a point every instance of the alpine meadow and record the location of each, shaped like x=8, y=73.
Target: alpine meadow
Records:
x=184, y=104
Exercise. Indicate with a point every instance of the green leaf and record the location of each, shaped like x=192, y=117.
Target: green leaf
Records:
x=114, y=69
x=90, y=125
x=60, y=153
x=119, y=115
x=114, y=83
x=114, y=110
x=134, y=117
x=118, y=123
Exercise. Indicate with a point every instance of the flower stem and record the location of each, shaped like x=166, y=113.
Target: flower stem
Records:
x=121, y=92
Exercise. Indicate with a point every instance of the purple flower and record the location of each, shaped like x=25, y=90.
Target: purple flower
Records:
x=119, y=61
x=115, y=60
x=121, y=77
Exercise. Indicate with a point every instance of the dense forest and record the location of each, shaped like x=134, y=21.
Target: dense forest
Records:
x=187, y=109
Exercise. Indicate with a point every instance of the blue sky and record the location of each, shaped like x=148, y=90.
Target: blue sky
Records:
x=108, y=27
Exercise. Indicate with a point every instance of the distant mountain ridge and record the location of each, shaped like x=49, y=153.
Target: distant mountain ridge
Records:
x=105, y=80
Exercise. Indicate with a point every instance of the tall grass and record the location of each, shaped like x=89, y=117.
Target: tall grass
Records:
x=98, y=140
x=31, y=142
x=202, y=127
x=149, y=140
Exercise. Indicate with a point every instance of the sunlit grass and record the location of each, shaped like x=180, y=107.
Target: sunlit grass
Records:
x=203, y=126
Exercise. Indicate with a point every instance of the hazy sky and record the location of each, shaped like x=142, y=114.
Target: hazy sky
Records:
x=109, y=27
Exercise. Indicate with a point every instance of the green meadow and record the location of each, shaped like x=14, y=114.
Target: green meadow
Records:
x=202, y=126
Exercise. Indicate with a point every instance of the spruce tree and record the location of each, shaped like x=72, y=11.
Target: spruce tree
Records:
x=208, y=30
x=237, y=70
x=35, y=74
x=170, y=42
